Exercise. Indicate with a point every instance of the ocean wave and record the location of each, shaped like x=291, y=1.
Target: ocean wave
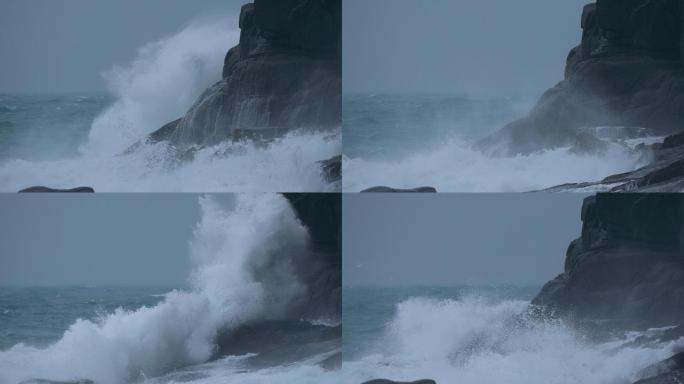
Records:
x=287, y=164
x=475, y=340
x=242, y=273
x=161, y=84
x=456, y=167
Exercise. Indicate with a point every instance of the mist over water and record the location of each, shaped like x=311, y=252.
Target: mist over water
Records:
x=242, y=274
x=478, y=337
x=406, y=141
x=88, y=146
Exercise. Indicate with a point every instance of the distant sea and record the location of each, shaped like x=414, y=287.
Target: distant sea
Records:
x=40, y=316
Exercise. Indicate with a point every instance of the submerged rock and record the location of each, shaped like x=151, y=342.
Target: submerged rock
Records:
x=43, y=381
x=385, y=381
x=395, y=190
x=626, y=271
x=284, y=74
x=46, y=190
x=627, y=71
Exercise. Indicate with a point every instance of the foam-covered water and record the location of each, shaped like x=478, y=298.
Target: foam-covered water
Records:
x=456, y=337
x=64, y=141
x=243, y=273
x=406, y=141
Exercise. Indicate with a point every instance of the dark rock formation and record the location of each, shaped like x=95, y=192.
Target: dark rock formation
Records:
x=43, y=381
x=332, y=169
x=669, y=371
x=321, y=214
x=627, y=71
x=47, y=190
x=627, y=268
x=280, y=342
x=665, y=173
x=385, y=381
x=395, y=190
x=285, y=74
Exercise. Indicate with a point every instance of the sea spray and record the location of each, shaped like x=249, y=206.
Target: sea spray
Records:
x=479, y=340
x=287, y=164
x=455, y=166
x=241, y=272
x=161, y=84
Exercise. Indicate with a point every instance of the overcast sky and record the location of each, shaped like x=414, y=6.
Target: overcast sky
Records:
x=457, y=239
x=488, y=47
x=65, y=45
x=101, y=239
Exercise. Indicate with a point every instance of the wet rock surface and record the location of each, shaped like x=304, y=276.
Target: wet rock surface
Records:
x=285, y=74
x=626, y=271
x=385, y=381
x=627, y=71
x=396, y=190
x=40, y=189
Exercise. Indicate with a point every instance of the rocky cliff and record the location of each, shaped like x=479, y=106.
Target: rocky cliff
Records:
x=627, y=72
x=321, y=214
x=627, y=268
x=284, y=74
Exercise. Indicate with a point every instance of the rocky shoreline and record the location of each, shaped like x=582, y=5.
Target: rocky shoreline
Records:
x=626, y=75
x=284, y=75
x=626, y=272
x=627, y=72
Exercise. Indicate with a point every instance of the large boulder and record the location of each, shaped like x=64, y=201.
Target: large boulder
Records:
x=627, y=268
x=627, y=71
x=285, y=74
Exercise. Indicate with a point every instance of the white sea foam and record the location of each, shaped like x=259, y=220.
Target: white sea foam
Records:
x=474, y=341
x=161, y=84
x=289, y=164
x=242, y=272
x=456, y=167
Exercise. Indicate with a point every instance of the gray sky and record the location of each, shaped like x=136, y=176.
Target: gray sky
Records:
x=65, y=45
x=484, y=47
x=101, y=239
x=456, y=239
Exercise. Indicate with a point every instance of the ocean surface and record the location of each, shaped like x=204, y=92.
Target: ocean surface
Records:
x=81, y=139
x=234, y=323
x=39, y=316
x=476, y=335
x=412, y=140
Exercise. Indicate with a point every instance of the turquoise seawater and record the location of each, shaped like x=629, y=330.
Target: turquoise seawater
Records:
x=40, y=316
x=47, y=126
x=390, y=126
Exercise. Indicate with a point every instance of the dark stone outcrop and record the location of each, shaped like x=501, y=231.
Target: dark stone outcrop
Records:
x=280, y=342
x=321, y=214
x=331, y=169
x=52, y=190
x=43, y=381
x=284, y=74
x=626, y=270
x=395, y=190
x=385, y=381
x=627, y=71
x=669, y=371
x=665, y=173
